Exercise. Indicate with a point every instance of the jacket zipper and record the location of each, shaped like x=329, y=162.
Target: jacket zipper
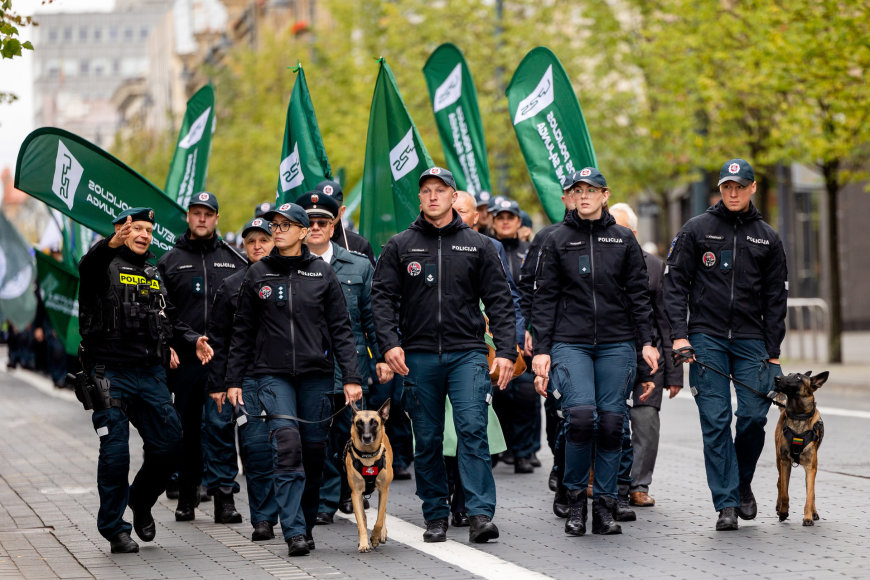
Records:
x=292, y=325
x=733, y=273
x=594, y=301
x=439, y=296
x=204, y=294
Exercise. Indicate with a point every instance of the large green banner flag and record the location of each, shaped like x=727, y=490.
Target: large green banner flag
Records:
x=59, y=288
x=91, y=186
x=395, y=158
x=454, y=102
x=17, y=272
x=303, y=157
x=549, y=125
x=189, y=166
x=77, y=240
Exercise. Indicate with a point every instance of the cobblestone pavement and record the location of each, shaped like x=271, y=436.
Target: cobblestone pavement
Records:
x=48, y=507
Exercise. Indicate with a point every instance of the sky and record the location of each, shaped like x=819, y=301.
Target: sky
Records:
x=16, y=120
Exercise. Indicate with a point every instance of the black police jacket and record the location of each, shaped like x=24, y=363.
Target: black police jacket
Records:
x=291, y=319
x=192, y=272
x=516, y=250
x=428, y=285
x=125, y=317
x=220, y=328
x=592, y=286
x=529, y=271
x=728, y=271
x=352, y=242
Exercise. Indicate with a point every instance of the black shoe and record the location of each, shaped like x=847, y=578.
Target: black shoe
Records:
x=436, y=531
x=309, y=539
x=401, y=473
x=523, y=465
x=553, y=480
x=204, y=495
x=727, y=519
x=143, y=524
x=298, y=546
x=575, y=525
x=263, y=531
x=560, y=503
x=122, y=543
x=748, y=508
x=172, y=487
x=323, y=519
x=225, y=509
x=602, y=516
x=507, y=457
x=482, y=529
x=535, y=461
x=346, y=506
x=621, y=510
x=184, y=512
x=459, y=520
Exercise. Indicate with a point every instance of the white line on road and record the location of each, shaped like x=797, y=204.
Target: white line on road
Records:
x=855, y=414
x=469, y=559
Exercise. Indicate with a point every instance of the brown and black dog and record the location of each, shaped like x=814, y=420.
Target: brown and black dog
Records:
x=798, y=437
x=369, y=464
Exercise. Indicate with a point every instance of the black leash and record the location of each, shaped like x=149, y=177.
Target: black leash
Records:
x=242, y=415
x=687, y=354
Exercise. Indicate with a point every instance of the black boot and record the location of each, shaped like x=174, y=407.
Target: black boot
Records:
x=575, y=525
x=553, y=480
x=622, y=512
x=188, y=499
x=436, y=531
x=481, y=529
x=727, y=519
x=748, y=508
x=263, y=531
x=523, y=465
x=298, y=546
x=560, y=503
x=143, y=523
x=602, y=516
x=122, y=543
x=225, y=509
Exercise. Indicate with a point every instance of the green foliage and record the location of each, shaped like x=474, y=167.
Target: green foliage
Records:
x=10, y=45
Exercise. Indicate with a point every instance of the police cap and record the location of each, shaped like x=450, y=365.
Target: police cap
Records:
x=139, y=214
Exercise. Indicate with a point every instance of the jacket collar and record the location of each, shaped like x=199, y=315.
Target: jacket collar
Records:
x=573, y=220
x=185, y=242
x=744, y=217
x=286, y=263
x=129, y=255
x=339, y=254
x=421, y=224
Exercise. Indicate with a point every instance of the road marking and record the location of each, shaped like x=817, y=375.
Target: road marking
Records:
x=855, y=414
x=452, y=552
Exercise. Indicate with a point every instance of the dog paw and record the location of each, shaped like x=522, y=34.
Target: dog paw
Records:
x=809, y=522
x=815, y=516
x=363, y=548
x=782, y=516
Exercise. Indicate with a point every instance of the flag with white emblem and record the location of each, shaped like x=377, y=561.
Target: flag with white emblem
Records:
x=189, y=167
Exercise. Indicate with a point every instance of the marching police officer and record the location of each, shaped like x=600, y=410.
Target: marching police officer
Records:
x=427, y=287
x=348, y=240
x=727, y=268
x=192, y=271
x=125, y=323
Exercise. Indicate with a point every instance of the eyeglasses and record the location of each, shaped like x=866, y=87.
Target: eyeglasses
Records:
x=282, y=226
x=322, y=224
x=586, y=192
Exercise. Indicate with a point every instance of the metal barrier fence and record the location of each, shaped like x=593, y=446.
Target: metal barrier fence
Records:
x=808, y=330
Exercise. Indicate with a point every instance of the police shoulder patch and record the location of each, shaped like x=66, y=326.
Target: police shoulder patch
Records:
x=673, y=245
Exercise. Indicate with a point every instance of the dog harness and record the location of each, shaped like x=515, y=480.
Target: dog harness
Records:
x=797, y=442
x=368, y=472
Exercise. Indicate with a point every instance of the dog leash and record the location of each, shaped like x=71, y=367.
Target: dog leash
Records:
x=687, y=354
x=242, y=416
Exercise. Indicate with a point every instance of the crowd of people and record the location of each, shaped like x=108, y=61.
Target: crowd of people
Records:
x=464, y=315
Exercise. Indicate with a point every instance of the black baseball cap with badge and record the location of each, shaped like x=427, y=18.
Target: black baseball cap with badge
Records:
x=483, y=198
x=738, y=170
x=332, y=189
x=588, y=175
x=257, y=224
x=204, y=198
x=507, y=205
x=318, y=205
x=263, y=208
x=437, y=173
x=138, y=214
x=291, y=211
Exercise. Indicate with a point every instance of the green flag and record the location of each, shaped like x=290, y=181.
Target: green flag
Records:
x=91, y=186
x=59, y=289
x=189, y=166
x=395, y=158
x=77, y=240
x=549, y=125
x=17, y=271
x=454, y=102
x=303, y=157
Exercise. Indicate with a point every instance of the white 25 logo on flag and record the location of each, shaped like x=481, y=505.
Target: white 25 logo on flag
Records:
x=196, y=130
x=450, y=90
x=67, y=174
x=540, y=99
x=291, y=170
x=403, y=157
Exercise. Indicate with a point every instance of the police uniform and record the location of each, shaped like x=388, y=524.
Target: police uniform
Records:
x=428, y=285
x=124, y=320
x=347, y=239
x=290, y=326
x=726, y=272
x=193, y=270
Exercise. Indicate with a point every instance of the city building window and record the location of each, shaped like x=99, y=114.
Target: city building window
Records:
x=116, y=66
x=143, y=33
x=83, y=33
x=128, y=33
x=98, y=34
x=84, y=67
x=52, y=35
x=113, y=33
x=67, y=33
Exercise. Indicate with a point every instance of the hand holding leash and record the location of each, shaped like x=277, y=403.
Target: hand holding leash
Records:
x=683, y=351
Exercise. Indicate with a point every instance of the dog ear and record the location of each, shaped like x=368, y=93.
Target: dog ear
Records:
x=384, y=411
x=819, y=380
x=354, y=407
x=808, y=373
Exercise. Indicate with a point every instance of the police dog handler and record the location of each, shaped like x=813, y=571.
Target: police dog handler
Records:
x=126, y=325
x=590, y=309
x=727, y=268
x=291, y=323
x=427, y=288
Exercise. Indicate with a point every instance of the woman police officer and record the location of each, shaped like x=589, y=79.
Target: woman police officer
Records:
x=290, y=324
x=591, y=305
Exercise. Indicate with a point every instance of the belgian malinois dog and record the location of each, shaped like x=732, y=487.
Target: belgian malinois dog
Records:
x=798, y=437
x=369, y=464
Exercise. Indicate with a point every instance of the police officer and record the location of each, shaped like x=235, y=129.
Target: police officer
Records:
x=590, y=308
x=354, y=273
x=192, y=271
x=427, y=287
x=727, y=268
x=348, y=240
x=254, y=447
x=124, y=319
x=290, y=326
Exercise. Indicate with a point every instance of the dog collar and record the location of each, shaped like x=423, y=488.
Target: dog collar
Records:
x=365, y=455
x=802, y=416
